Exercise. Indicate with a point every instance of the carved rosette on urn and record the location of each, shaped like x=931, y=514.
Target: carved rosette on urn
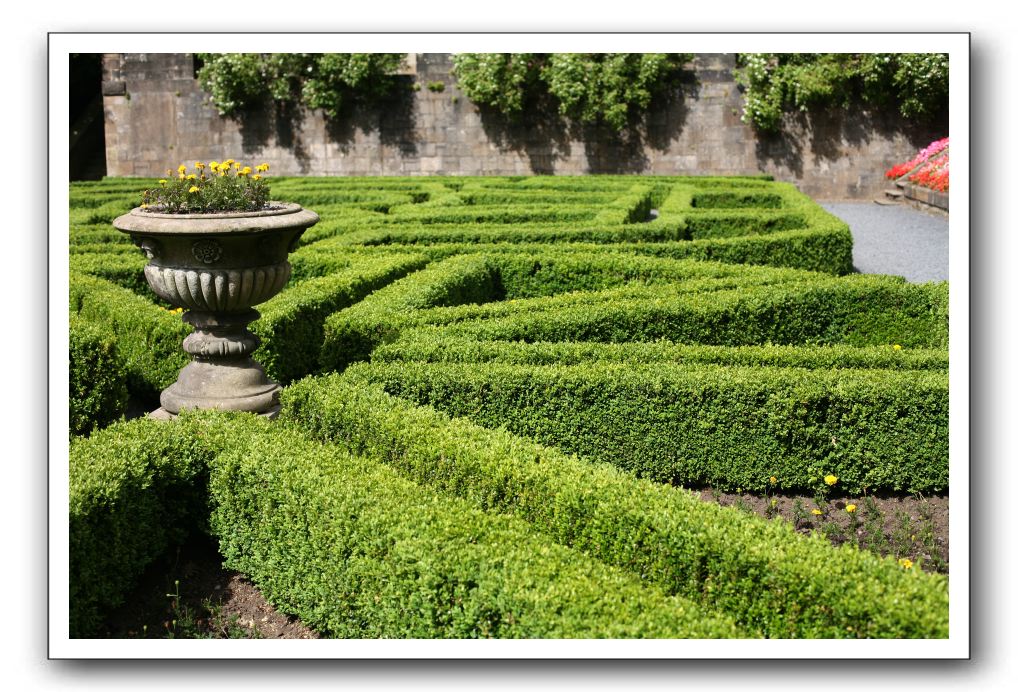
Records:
x=218, y=267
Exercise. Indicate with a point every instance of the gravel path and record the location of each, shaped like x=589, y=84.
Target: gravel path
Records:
x=895, y=240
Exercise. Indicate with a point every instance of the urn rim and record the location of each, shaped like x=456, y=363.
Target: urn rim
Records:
x=282, y=215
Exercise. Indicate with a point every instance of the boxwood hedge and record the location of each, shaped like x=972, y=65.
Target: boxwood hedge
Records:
x=770, y=580
x=724, y=426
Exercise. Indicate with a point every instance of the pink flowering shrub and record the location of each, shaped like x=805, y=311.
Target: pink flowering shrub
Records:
x=922, y=157
x=934, y=175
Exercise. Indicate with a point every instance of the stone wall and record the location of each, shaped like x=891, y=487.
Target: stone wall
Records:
x=157, y=116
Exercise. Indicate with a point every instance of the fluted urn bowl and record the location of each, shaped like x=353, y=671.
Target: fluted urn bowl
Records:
x=218, y=267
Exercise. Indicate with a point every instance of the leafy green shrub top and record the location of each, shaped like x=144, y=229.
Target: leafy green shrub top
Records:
x=589, y=87
x=917, y=83
x=330, y=81
x=228, y=186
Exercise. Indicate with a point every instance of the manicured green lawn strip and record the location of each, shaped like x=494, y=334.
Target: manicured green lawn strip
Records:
x=772, y=581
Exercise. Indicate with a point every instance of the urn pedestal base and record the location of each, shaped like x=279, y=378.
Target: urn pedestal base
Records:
x=222, y=374
x=164, y=415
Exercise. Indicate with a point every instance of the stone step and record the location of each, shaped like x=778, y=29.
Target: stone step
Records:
x=894, y=194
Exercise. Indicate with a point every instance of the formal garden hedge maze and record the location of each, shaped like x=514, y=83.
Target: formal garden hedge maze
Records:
x=498, y=392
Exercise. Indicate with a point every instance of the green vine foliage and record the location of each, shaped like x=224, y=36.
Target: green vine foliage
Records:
x=914, y=83
x=604, y=88
x=329, y=81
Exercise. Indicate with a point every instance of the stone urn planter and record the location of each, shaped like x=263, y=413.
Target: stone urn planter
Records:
x=217, y=267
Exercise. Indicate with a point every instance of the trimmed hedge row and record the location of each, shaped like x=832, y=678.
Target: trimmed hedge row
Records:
x=291, y=323
x=98, y=234
x=125, y=269
x=103, y=213
x=585, y=231
x=736, y=200
x=632, y=207
x=826, y=249
x=434, y=345
x=148, y=337
x=351, y=334
x=525, y=273
x=463, y=214
x=488, y=196
x=722, y=426
x=356, y=551
x=853, y=310
x=98, y=377
x=341, y=541
x=769, y=579
x=136, y=489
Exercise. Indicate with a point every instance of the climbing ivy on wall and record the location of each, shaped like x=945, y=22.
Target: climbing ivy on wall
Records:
x=330, y=81
x=588, y=87
x=914, y=83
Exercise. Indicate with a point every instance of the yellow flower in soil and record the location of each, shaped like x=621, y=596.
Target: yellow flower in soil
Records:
x=830, y=479
x=850, y=508
x=181, y=168
x=256, y=177
x=214, y=165
x=897, y=347
x=246, y=170
x=228, y=162
x=905, y=563
x=193, y=189
x=162, y=182
x=192, y=176
x=144, y=206
x=817, y=512
x=199, y=165
x=773, y=480
x=263, y=167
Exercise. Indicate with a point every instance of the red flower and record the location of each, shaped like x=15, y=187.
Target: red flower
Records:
x=922, y=157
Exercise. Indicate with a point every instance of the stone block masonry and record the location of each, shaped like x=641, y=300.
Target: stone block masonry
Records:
x=157, y=116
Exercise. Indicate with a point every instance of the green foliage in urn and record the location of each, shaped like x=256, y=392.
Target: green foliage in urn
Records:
x=588, y=87
x=914, y=83
x=227, y=186
x=330, y=81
